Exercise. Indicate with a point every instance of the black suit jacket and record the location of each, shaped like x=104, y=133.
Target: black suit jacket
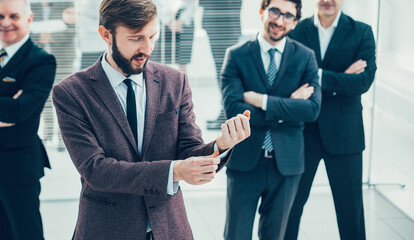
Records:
x=243, y=71
x=340, y=120
x=22, y=155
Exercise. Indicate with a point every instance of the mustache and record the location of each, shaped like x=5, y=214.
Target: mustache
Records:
x=326, y=4
x=140, y=55
x=275, y=25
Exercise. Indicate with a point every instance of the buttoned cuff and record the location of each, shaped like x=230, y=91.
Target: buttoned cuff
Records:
x=320, y=76
x=172, y=187
x=264, y=102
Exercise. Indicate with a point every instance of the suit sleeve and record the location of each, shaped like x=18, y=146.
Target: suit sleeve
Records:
x=354, y=84
x=101, y=172
x=232, y=91
x=298, y=109
x=36, y=85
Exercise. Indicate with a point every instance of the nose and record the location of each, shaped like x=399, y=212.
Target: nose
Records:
x=5, y=22
x=147, y=46
x=280, y=21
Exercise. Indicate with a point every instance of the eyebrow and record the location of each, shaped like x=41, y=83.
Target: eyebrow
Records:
x=281, y=11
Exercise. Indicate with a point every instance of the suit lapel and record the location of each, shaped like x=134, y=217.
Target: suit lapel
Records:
x=258, y=62
x=17, y=57
x=312, y=38
x=153, y=86
x=287, y=54
x=338, y=37
x=104, y=90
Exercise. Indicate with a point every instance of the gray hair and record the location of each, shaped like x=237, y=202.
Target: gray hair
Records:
x=27, y=8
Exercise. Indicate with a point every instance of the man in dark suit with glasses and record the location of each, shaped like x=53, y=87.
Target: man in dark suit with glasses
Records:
x=276, y=78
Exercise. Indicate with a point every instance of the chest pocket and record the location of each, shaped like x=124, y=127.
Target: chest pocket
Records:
x=8, y=86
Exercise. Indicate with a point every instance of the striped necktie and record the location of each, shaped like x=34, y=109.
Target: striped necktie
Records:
x=3, y=54
x=271, y=75
x=131, y=109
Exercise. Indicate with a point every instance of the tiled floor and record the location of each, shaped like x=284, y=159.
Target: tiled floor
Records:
x=206, y=204
x=206, y=212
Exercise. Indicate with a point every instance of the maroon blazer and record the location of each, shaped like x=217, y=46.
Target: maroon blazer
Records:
x=121, y=189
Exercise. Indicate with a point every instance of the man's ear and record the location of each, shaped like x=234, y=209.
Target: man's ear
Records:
x=261, y=11
x=30, y=19
x=106, y=35
x=295, y=23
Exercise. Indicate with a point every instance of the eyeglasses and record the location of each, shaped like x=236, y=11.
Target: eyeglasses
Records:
x=275, y=13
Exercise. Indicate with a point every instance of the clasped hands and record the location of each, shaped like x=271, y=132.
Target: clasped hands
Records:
x=3, y=124
x=200, y=170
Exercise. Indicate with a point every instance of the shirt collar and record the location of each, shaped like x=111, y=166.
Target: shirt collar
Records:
x=116, y=78
x=265, y=45
x=12, y=49
x=318, y=23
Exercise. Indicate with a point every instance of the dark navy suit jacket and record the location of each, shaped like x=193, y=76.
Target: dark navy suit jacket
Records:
x=243, y=71
x=340, y=121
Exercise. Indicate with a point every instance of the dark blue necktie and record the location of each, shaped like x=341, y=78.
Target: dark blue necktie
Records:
x=131, y=109
x=271, y=75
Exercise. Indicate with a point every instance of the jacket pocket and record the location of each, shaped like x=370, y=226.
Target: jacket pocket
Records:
x=168, y=115
x=99, y=200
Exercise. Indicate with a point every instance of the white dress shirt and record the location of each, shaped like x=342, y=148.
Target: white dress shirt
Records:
x=264, y=48
x=325, y=36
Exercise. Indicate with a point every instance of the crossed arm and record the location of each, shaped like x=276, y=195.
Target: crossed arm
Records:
x=3, y=124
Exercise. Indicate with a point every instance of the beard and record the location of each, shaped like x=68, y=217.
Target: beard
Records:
x=126, y=64
x=276, y=39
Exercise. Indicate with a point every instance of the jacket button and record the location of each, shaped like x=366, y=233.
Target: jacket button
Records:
x=280, y=121
x=145, y=191
x=151, y=192
x=334, y=93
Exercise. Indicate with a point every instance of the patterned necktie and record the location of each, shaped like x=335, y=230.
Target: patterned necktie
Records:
x=3, y=54
x=131, y=109
x=271, y=75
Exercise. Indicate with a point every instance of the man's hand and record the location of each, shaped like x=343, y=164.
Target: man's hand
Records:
x=176, y=26
x=3, y=124
x=304, y=92
x=196, y=170
x=17, y=95
x=234, y=131
x=253, y=98
x=357, y=67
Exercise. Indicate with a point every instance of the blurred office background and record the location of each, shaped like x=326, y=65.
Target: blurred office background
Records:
x=68, y=29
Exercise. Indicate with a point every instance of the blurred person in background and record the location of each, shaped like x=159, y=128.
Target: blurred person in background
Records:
x=176, y=32
x=345, y=51
x=53, y=29
x=88, y=39
x=221, y=20
x=26, y=78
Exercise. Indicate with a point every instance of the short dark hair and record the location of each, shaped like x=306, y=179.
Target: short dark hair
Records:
x=265, y=4
x=133, y=14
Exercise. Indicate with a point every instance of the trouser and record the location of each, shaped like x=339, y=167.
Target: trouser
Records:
x=19, y=212
x=345, y=179
x=244, y=189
